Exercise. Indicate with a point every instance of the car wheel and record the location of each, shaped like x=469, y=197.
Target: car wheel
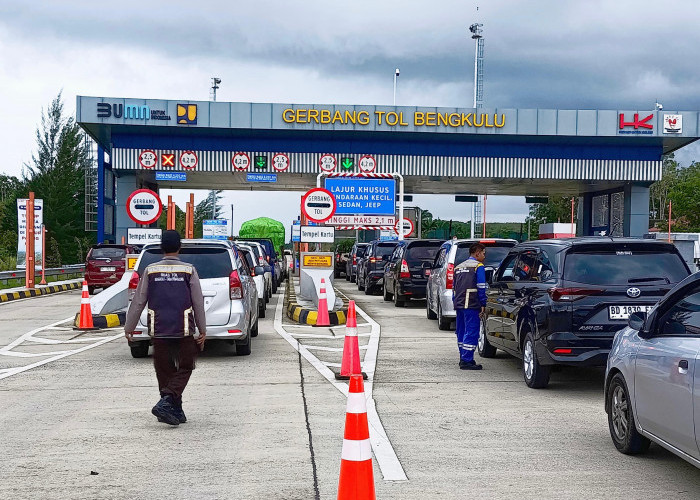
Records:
x=360, y=286
x=254, y=328
x=267, y=297
x=139, y=349
x=274, y=286
x=368, y=287
x=398, y=300
x=347, y=276
x=443, y=323
x=536, y=375
x=385, y=294
x=91, y=290
x=353, y=278
x=486, y=350
x=243, y=349
x=430, y=314
x=621, y=419
x=261, y=308
x=336, y=274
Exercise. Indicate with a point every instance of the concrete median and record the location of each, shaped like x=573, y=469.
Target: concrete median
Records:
x=25, y=293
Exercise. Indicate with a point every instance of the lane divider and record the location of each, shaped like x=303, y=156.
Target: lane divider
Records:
x=104, y=320
x=36, y=292
x=304, y=315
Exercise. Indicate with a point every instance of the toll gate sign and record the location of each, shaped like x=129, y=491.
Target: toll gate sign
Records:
x=362, y=196
x=144, y=207
x=318, y=205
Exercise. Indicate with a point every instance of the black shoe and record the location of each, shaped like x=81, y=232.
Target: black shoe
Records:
x=165, y=411
x=465, y=365
x=181, y=417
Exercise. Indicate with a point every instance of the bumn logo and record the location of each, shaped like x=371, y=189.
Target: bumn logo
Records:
x=131, y=111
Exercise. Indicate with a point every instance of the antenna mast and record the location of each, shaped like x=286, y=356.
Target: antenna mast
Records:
x=478, y=64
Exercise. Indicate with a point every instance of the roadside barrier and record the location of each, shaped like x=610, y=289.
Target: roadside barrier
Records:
x=322, y=319
x=356, y=480
x=351, y=348
x=37, y=292
x=305, y=316
x=85, y=319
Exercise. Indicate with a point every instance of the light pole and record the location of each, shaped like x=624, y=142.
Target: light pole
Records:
x=396, y=75
x=215, y=81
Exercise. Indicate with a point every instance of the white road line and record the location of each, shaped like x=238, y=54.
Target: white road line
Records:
x=312, y=336
x=19, y=354
x=381, y=446
x=81, y=340
x=334, y=365
x=329, y=349
x=27, y=335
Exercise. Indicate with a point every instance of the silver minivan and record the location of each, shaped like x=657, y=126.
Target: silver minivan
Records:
x=230, y=295
x=652, y=382
x=438, y=304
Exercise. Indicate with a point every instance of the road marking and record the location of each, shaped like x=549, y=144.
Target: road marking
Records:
x=330, y=349
x=386, y=457
x=311, y=335
x=19, y=354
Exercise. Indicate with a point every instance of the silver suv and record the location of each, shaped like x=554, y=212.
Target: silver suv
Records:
x=452, y=253
x=230, y=295
x=652, y=381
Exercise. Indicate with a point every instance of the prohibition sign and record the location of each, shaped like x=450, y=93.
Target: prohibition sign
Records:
x=144, y=207
x=406, y=224
x=240, y=161
x=148, y=158
x=327, y=163
x=188, y=160
x=318, y=205
x=368, y=163
x=280, y=162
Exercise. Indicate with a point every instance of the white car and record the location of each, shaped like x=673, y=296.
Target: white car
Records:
x=262, y=261
x=230, y=294
x=258, y=274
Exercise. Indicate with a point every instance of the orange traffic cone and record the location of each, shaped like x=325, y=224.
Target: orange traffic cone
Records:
x=322, y=319
x=356, y=475
x=351, y=348
x=85, y=316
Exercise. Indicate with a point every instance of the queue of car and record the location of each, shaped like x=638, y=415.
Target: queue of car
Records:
x=629, y=304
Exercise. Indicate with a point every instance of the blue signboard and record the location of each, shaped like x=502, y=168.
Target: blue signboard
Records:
x=171, y=176
x=360, y=196
x=261, y=177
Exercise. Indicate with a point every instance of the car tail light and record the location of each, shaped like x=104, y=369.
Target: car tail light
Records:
x=354, y=260
x=235, y=286
x=450, y=277
x=134, y=281
x=234, y=331
x=372, y=260
x=572, y=294
x=268, y=258
x=405, y=273
x=487, y=242
x=562, y=351
x=252, y=272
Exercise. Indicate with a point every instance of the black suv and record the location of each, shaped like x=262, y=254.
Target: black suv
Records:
x=406, y=273
x=561, y=301
x=370, y=269
x=358, y=250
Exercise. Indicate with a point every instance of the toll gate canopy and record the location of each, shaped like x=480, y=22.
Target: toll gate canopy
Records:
x=609, y=158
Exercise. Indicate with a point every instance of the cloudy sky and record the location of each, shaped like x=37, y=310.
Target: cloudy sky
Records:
x=564, y=54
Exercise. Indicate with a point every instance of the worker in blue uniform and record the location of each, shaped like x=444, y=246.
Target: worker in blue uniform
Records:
x=469, y=299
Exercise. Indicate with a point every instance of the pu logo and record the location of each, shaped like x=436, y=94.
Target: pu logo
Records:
x=187, y=114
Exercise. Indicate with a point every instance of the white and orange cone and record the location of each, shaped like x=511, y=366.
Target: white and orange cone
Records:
x=351, y=348
x=322, y=318
x=356, y=480
x=85, y=316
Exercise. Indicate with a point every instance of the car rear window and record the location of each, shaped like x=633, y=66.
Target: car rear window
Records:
x=107, y=253
x=495, y=253
x=423, y=250
x=210, y=262
x=360, y=252
x=385, y=249
x=624, y=267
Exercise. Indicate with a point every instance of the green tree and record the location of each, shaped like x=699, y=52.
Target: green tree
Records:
x=56, y=174
x=684, y=194
x=660, y=190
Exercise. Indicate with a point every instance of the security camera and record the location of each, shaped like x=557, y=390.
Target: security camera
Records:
x=397, y=71
x=659, y=106
x=217, y=80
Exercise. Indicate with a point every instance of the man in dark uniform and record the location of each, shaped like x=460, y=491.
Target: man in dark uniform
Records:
x=173, y=293
x=469, y=300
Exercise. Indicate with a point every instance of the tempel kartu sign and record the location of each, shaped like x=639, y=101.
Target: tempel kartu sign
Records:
x=360, y=196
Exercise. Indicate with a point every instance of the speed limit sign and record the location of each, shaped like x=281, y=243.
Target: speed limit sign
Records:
x=188, y=160
x=368, y=163
x=318, y=205
x=280, y=162
x=327, y=163
x=148, y=158
x=240, y=161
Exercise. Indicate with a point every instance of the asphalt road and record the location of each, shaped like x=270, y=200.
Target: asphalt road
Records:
x=270, y=426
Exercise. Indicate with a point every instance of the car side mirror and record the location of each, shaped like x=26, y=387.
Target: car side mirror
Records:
x=259, y=270
x=636, y=321
x=673, y=327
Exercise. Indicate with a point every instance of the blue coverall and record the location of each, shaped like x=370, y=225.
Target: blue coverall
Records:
x=468, y=297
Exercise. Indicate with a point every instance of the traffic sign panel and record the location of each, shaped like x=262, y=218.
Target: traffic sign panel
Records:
x=368, y=163
x=280, y=162
x=167, y=160
x=407, y=227
x=327, y=163
x=240, y=161
x=143, y=206
x=148, y=158
x=318, y=205
x=189, y=160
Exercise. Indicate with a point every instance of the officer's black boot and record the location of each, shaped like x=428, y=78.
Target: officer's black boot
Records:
x=467, y=365
x=165, y=411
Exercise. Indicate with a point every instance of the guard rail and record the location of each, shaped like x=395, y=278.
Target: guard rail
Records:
x=73, y=270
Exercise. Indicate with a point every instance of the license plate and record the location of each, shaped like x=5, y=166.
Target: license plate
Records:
x=108, y=269
x=623, y=312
